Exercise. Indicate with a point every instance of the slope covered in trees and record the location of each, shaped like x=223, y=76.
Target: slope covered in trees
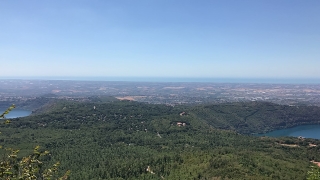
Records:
x=131, y=140
x=256, y=117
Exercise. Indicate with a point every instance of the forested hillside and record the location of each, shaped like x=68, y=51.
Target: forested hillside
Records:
x=131, y=140
x=256, y=117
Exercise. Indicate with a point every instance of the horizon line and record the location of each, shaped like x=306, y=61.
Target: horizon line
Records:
x=171, y=79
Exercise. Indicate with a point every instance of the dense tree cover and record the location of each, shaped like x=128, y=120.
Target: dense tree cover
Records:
x=30, y=104
x=29, y=167
x=256, y=117
x=313, y=173
x=131, y=140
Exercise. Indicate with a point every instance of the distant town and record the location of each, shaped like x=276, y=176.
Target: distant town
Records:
x=171, y=93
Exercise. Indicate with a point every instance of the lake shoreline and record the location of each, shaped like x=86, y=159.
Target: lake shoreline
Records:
x=305, y=130
x=16, y=113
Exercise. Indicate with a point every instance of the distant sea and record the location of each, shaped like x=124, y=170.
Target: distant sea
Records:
x=180, y=79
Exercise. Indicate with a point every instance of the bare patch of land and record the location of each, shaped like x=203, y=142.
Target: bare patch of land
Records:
x=130, y=98
x=316, y=163
x=290, y=145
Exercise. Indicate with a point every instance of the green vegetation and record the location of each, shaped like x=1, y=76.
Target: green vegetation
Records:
x=131, y=140
x=2, y=116
x=28, y=167
x=256, y=117
x=314, y=173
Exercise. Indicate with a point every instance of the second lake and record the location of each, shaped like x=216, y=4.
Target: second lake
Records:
x=307, y=131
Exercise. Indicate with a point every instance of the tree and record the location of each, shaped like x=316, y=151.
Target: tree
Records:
x=28, y=167
x=2, y=116
x=314, y=173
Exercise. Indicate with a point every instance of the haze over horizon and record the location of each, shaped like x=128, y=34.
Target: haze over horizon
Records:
x=181, y=39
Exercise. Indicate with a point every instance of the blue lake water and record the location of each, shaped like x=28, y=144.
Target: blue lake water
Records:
x=307, y=131
x=16, y=113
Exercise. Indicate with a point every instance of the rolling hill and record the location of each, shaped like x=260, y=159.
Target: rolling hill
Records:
x=132, y=140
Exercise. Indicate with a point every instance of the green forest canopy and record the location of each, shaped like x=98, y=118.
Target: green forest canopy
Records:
x=131, y=140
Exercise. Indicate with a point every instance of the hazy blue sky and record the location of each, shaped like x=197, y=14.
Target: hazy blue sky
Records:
x=161, y=38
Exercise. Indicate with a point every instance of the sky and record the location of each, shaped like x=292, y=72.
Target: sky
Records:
x=160, y=38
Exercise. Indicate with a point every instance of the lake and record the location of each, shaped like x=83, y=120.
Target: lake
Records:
x=16, y=113
x=307, y=131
